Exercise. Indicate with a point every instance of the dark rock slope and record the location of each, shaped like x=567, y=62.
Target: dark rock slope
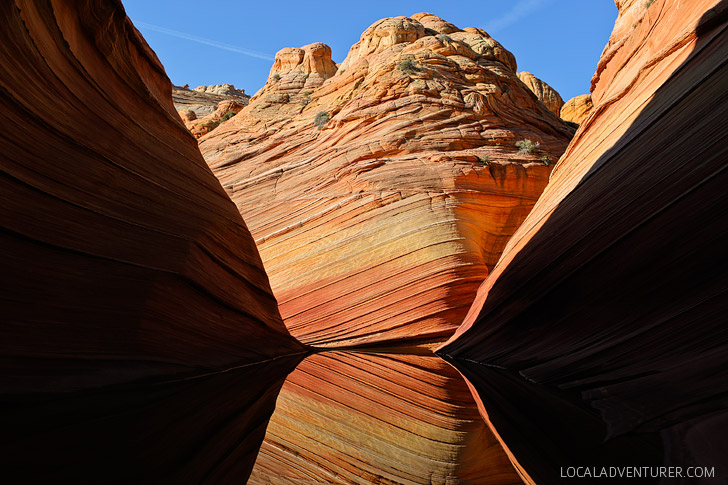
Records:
x=600, y=335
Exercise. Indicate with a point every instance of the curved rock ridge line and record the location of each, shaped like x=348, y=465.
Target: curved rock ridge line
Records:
x=577, y=109
x=607, y=306
x=127, y=272
x=545, y=93
x=378, y=418
x=382, y=192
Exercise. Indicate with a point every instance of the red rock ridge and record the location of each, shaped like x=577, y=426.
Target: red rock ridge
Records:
x=607, y=306
x=128, y=277
x=380, y=194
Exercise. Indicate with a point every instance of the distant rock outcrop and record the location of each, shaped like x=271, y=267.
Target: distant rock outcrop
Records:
x=204, y=108
x=577, y=109
x=221, y=90
x=382, y=192
x=605, y=317
x=132, y=293
x=545, y=93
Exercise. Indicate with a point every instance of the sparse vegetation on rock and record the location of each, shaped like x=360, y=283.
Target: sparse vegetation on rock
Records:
x=408, y=66
x=526, y=147
x=320, y=120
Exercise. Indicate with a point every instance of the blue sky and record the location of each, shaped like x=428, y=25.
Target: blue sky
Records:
x=227, y=41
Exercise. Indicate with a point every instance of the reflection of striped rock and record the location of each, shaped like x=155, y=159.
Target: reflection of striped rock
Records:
x=376, y=418
x=611, y=297
x=381, y=225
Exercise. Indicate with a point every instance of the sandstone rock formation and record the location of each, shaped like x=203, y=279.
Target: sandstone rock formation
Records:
x=545, y=93
x=577, y=109
x=203, y=103
x=221, y=90
x=379, y=418
x=201, y=126
x=382, y=192
x=129, y=281
x=605, y=317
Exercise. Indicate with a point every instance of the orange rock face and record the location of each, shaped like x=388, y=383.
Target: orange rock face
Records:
x=607, y=309
x=545, y=93
x=128, y=278
x=380, y=194
x=379, y=418
x=577, y=109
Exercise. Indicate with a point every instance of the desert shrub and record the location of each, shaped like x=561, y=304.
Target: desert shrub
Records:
x=648, y=3
x=408, y=66
x=320, y=120
x=546, y=160
x=276, y=77
x=227, y=116
x=306, y=98
x=444, y=37
x=527, y=146
x=484, y=159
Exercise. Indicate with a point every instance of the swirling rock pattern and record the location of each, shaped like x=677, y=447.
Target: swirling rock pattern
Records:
x=126, y=268
x=379, y=418
x=609, y=302
x=380, y=194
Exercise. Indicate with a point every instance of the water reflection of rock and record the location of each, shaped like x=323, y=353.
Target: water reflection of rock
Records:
x=345, y=417
x=192, y=430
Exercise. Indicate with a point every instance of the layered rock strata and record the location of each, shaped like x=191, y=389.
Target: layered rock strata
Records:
x=379, y=418
x=607, y=306
x=382, y=192
x=128, y=275
x=203, y=103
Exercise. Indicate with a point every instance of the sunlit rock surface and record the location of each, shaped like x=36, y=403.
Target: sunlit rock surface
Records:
x=381, y=194
x=608, y=305
x=577, y=109
x=379, y=418
x=545, y=93
x=128, y=279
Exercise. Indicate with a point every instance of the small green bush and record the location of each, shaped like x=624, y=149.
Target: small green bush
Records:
x=444, y=37
x=276, y=77
x=306, y=97
x=546, y=160
x=484, y=159
x=526, y=146
x=408, y=66
x=648, y=3
x=320, y=120
x=227, y=116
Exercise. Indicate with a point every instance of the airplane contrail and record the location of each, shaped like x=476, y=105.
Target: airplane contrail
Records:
x=520, y=10
x=201, y=40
